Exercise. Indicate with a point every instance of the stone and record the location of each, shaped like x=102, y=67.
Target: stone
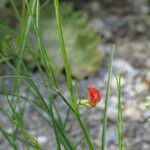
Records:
x=125, y=68
x=135, y=52
x=133, y=114
x=111, y=136
x=42, y=139
x=140, y=88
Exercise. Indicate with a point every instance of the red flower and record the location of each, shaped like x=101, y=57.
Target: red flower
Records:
x=93, y=96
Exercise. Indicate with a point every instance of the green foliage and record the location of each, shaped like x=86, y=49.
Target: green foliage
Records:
x=68, y=76
x=7, y=33
x=5, y=44
x=120, y=118
x=105, y=114
x=81, y=41
x=3, y=3
x=148, y=3
x=81, y=48
x=5, y=39
x=148, y=102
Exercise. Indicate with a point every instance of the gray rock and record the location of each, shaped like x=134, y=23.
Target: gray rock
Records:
x=125, y=68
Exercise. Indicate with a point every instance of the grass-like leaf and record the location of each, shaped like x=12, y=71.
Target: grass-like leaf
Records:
x=63, y=52
x=23, y=40
x=68, y=75
x=43, y=52
x=119, y=119
x=16, y=121
x=105, y=116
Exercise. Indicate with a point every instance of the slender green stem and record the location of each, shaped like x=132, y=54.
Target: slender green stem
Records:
x=119, y=119
x=84, y=131
x=64, y=55
x=66, y=119
x=16, y=10
x=23, y=16
x=68, y=74
x=65, y=140
x=43, y=52
x=6, y=60
x=54, y=121
x=6, y=136
x=24, y=40
x=31, y=81
x=17, y=122
x=105, y=117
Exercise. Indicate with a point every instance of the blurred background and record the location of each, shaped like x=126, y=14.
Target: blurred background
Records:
x=90, y=28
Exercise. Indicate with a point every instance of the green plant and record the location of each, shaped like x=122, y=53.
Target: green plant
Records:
x=3, y=3
x=120, y=118
x=30, y=15
x=148, y=3
x=82, y=48
x=148, y=102
x=105, y=116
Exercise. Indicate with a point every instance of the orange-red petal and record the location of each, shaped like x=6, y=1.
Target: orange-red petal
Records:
x=93, y=96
